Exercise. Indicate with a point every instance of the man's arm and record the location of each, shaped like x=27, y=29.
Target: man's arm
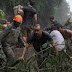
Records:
x=21, y=40
x=56, y=51
x=20, y=11
x=35, y=19
x=70, y=33
x=25, y=50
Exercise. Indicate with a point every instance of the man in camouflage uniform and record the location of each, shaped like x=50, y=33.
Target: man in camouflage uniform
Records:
x=9, y=38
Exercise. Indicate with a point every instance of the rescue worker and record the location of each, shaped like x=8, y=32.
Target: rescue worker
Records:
x=58, y=40
x=9, y=39
x=29, y=18
x=53, y=21
x=67, y=34
x=4, y=22
x=38, y=38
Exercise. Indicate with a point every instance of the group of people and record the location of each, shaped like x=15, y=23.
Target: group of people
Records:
x=17, y=31
x=32, y=33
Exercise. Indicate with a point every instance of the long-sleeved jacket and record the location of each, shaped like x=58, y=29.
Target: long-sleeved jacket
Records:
x=11, y=35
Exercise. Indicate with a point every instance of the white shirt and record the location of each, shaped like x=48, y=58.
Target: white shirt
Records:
x=58, y=39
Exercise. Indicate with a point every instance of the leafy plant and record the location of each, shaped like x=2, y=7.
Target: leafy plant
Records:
x=1, y=26
x=1, y=14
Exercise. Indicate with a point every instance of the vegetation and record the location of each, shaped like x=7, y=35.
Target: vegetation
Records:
x=62, y=12
x=1, y=14
x=51, y=63
x=45, y=9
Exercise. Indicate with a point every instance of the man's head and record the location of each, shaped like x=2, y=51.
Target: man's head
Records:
x=17, y=20
x=38, y=30
x=51, y=18
x=53, y=28
x=60, y=28
x=30, y=2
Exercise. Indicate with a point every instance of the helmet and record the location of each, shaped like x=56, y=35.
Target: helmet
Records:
x=18, y=18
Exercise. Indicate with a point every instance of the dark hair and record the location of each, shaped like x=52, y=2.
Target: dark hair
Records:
x=36, y=25
x=59, y=26
x=31, y=2
x=52, y=17
x=53, y=28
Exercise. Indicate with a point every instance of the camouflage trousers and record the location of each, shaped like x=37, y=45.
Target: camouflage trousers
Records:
x=9, y=54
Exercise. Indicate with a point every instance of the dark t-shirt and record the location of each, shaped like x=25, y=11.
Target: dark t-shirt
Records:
x=29, y=13
x=37, y=43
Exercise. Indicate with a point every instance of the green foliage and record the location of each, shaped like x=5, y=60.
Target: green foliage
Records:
x=1, y=14
x=17, y=2
x=44, y=8
x=52, y=63
x=1, y=26
x=24, y=66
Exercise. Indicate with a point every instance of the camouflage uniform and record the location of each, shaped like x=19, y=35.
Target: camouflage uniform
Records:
x=9, y=39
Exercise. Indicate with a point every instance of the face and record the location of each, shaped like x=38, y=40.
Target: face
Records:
x=51, y=20
x=38, y=31
x=16, y=24
x=52, y=25
x=60, y=29
x=28, y=3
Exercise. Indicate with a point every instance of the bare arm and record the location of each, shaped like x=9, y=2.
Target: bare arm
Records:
x=56, y=51
x=70, y=33
x=20, y=11
x=25, y=50
x=35, y=18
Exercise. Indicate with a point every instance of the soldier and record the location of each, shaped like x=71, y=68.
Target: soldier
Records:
x=9, y=38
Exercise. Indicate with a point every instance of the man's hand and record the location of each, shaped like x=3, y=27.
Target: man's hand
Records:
x=20, y=11
x=21, y=58
x=19, y=6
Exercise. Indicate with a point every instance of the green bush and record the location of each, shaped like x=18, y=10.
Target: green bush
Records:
x=1, y=26
x=1, y=14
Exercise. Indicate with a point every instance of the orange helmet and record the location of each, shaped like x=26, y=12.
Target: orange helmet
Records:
x=18, y=18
